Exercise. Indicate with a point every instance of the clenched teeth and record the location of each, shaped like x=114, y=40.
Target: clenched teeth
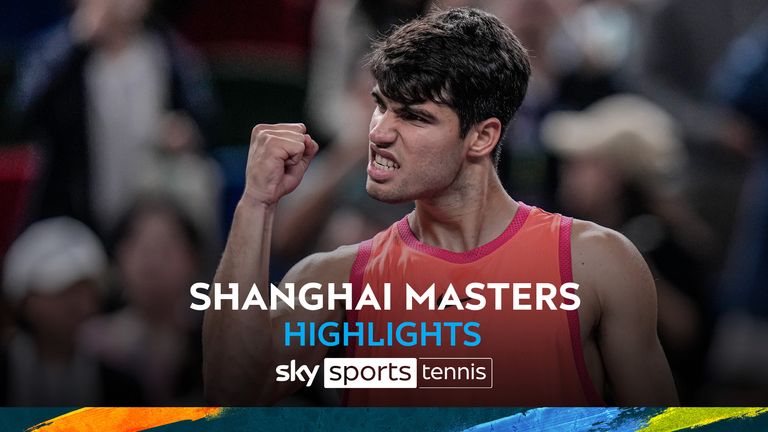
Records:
x=385, y=163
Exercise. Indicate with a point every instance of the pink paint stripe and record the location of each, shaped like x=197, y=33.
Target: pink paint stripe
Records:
x=469, y=256
x=566, y=275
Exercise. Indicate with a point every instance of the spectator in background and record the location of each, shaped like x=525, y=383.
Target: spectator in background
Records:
x=682, y=42
x=740, y=348
x=97, y=92
x=622, y=163
x=593, y=47
x=54, y=279
x=580, y=51
x=155, y=338
x=191, y=178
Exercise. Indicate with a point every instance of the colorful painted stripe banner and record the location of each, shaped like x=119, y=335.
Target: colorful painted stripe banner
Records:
x=367, y=419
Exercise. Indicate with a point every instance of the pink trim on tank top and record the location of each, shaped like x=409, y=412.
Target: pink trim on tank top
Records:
x=356, y=279
x=407, y=235
x=566, y=275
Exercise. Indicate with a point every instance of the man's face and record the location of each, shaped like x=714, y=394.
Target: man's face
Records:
x=415, y=151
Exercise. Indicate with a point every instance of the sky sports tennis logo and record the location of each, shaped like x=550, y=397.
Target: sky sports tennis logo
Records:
x=422, y=372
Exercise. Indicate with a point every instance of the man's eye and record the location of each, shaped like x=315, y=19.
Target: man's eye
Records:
x=413, y=117
x=380, y=106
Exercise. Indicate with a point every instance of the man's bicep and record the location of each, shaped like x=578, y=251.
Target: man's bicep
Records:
x=629, y=293
x=634, y=360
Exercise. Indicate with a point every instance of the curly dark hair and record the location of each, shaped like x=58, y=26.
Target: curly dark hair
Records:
x=464, y=58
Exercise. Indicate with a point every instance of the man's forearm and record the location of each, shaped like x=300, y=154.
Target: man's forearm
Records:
x=238, y=354
x=237, y=344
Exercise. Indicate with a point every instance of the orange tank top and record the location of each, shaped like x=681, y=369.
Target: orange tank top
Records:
x=536, y=355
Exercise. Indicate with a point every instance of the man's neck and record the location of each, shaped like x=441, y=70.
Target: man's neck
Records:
x=464, y=217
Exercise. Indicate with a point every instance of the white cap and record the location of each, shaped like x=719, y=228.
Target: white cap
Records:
x=50, y=256
x=637, y=136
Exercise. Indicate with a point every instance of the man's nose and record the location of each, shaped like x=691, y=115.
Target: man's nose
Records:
x=382, y=131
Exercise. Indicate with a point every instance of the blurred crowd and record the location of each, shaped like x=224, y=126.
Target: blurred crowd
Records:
x=124, y=132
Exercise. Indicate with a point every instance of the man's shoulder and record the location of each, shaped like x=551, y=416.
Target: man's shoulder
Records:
x=332, y=266
x=595, y=238
x=606, y=260
x=342, y=256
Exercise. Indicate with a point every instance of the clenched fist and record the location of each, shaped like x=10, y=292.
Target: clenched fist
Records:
x=277, y=160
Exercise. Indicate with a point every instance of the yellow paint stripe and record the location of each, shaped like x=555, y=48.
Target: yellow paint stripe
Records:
x=121, y=419
x=675, y=419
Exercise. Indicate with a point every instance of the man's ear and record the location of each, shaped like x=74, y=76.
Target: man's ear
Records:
x=484, y=135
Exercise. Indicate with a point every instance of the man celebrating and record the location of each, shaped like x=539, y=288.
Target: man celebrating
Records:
x=447, y=86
